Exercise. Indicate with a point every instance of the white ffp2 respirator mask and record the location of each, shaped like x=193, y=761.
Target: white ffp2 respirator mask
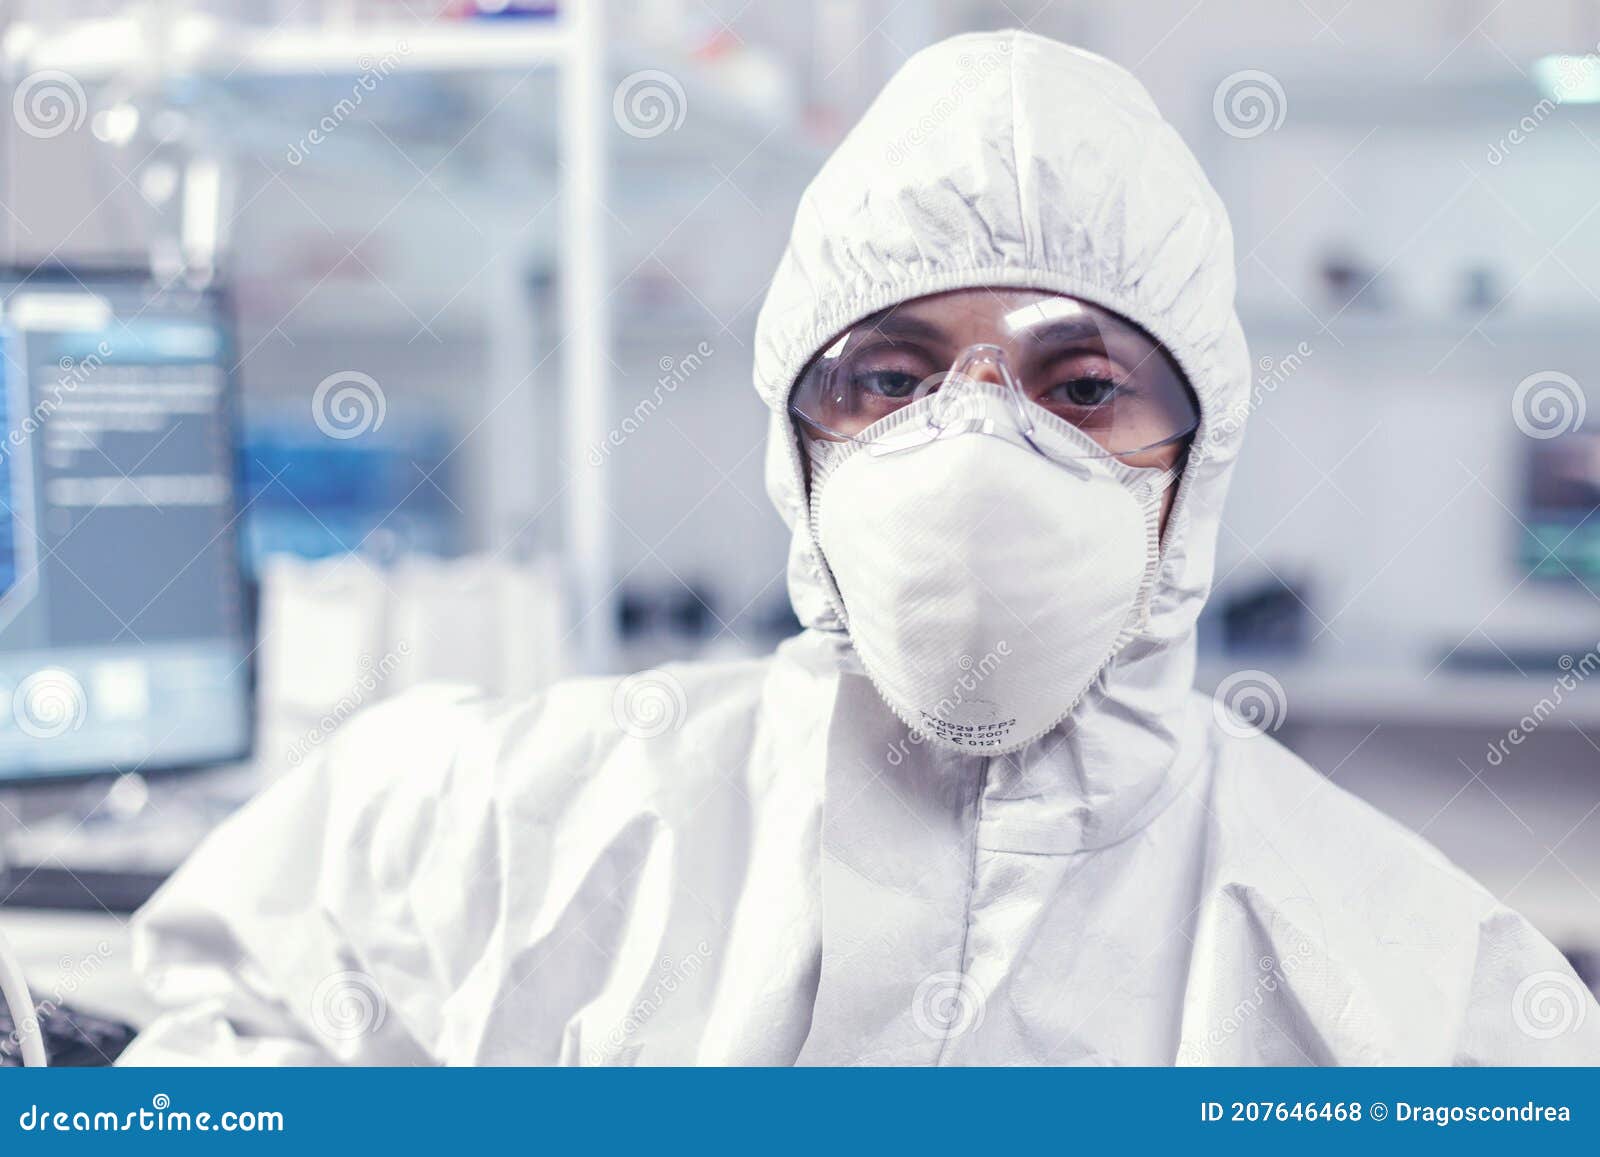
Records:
x=985, y=585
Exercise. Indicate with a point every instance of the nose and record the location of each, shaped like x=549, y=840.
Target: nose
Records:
x=982, y=363
x=955, y=399
x=985, y=372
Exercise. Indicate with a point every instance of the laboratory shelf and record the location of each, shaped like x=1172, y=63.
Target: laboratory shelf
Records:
x=1339, y=693
x=196, y=45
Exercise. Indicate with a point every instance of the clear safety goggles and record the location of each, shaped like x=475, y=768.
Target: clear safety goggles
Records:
x=1085, y=366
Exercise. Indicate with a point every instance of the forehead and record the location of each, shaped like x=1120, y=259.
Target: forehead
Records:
x=973, y=315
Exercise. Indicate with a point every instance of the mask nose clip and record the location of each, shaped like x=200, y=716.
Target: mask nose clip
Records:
x=987, y=363
x=957, y=407
x=953, y=394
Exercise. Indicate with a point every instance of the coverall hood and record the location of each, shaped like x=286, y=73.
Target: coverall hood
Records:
x=1006, y=159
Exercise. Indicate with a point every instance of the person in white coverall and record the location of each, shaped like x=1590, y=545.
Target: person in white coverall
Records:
x=975, y=813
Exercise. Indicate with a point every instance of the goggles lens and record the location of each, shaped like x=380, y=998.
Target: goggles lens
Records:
x=1083, y=364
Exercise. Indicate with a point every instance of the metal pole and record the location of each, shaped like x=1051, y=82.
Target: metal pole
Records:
x=583, y=274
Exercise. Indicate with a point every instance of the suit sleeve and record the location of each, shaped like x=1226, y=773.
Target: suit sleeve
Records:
x=1527, y=1005
x=267, y=946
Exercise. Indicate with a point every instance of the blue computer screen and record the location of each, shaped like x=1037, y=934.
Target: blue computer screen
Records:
x=1561, y=536
x=123, y=634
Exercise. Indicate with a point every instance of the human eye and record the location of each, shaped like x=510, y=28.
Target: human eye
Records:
x=893, y=385
x=1084, y=388
x=1086, y=391
x=888, y=372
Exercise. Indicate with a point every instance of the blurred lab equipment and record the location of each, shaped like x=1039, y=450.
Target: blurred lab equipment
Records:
x=1562, y=539
x=677, y=611
x=71, y=1038
x=17, y=1003
x=315, y=496
x=1349, y=279
x=1267, y=617
x=1481, y=289
x=125, y=631
x=340, y=634
x=125, y=638
x=337, y=635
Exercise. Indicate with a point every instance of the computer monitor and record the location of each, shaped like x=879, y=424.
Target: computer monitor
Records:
x=123, y=631
x=1561, y=537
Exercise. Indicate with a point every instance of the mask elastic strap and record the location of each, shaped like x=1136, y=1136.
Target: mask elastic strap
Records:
x=1151, y=492
x=1167, y=480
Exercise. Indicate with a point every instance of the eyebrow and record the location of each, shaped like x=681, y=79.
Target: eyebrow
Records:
x=893, y=324
x=1067, y=329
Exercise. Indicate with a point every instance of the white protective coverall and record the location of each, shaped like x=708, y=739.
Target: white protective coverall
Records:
x=783, y=874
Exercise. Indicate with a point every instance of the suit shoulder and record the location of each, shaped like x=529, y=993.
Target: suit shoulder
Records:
x=1327, y=839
